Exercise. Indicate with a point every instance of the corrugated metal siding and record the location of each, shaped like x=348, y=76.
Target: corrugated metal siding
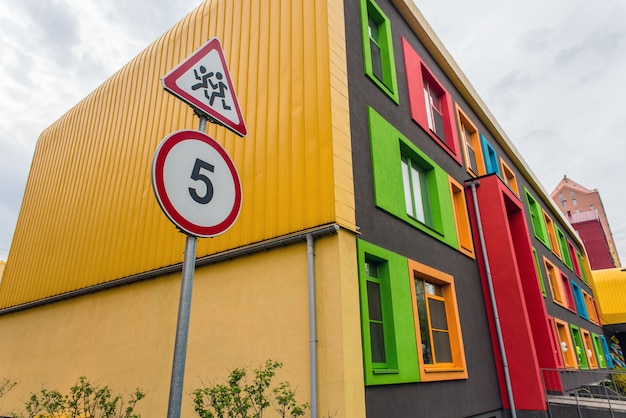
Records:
x=89, y=214
x=609, y=288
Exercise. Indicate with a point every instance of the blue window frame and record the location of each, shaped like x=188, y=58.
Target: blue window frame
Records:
x=581, y=307
x=490, y=157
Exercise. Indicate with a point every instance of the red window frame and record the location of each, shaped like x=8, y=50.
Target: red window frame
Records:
x=416, y=73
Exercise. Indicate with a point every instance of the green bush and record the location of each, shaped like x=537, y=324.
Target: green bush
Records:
x=239, y=398
x=83, y=400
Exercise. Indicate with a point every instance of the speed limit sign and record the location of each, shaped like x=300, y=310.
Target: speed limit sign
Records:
x=196, y=183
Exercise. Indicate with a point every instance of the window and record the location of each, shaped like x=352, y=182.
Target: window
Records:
x=536, y=219
x=573, y=259
x=509, y=177
x=543, y=286
x=490, y=156
x=590, y=306
x=581, y=306
x=554, y=281
x=398, y=166
x=579, y=347
x=378, y=48
x=554, y=244
x=437, y=326
x=567, y=348
x=607, y=352
x=560, y=236
x=592, y=360
x=471, y=144
x=416, y=194
x=567, y=290
x=434, y=110
x=389, y=348
x=582, y=262
x=597, y=346
x=373, y=271
x=430, y=103
x=573, y=195
x=461, y=217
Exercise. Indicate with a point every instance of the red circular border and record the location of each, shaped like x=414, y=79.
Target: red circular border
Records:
x=158, y=184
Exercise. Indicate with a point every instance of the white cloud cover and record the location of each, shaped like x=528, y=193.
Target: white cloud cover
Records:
x=550, y=72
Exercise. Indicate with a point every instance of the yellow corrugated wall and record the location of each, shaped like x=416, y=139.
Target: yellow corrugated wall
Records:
x=609, y=288
x=89, y=214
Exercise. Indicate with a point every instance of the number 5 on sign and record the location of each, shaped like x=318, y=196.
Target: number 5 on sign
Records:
x=196, y=183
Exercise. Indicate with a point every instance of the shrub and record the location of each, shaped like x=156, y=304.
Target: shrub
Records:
x=83, y=400
x=239, y=398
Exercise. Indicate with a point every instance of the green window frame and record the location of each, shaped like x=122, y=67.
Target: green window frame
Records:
x=597, y=345
x=539, y=274
x=388, y=148
x=378, y=56
x=565, y=256
x=386, y=324
x=583, y=267
x=536, y=219
x=579, y=347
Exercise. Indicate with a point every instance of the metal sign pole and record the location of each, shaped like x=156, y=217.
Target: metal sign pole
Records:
x=182, y=325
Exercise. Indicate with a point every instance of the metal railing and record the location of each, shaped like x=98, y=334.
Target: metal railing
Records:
x=585, y=389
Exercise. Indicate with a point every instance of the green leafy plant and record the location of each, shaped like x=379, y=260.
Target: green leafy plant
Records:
x=241, y=398
x=83, y=400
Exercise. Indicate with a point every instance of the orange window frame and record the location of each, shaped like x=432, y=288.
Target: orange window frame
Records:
x=567, y=350
x=461, y=217
x=554, y=243
x=508, y=176
x=445, y=371
x=470, y=140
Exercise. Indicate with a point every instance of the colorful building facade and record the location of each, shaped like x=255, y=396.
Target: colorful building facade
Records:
x=376, y=184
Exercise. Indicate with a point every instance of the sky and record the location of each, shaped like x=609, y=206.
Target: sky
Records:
x=551, y=72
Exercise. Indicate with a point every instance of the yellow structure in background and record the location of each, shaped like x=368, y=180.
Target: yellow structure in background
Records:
x=609, y=287
x=89, y=218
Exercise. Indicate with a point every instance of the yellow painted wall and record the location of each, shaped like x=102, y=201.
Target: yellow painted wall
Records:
x=609, y=288
x=244, y=311
x=89, y=214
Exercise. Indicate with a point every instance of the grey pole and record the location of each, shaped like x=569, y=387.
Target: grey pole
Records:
x=182, y=325
x=182, y=330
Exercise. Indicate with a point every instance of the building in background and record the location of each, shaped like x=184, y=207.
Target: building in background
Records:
x=375, y=182
x=585, y=211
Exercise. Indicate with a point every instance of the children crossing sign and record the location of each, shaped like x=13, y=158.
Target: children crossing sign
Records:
x=202, y=80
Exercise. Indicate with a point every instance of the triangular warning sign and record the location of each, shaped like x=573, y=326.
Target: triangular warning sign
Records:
x=202, y=80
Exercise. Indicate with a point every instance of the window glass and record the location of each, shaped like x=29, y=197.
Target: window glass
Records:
x=461, y=217
x=474, y=160
x=430, y=103
x=490, y=156
x=416, y=195
x=568, y=350
x=378, y=57
x=509, y=177
x=543, y=286
x=377, y=335
x=437, y=324
x=536, y=219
